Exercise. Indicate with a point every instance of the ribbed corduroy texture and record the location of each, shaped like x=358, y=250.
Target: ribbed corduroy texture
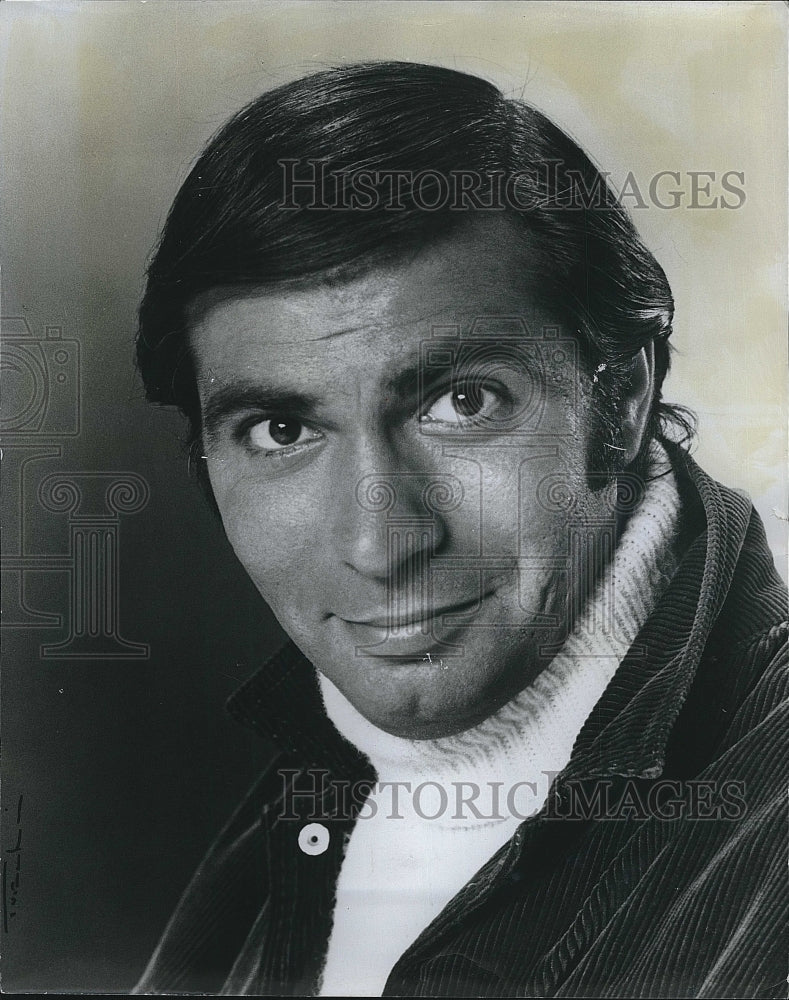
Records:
x=624, y=905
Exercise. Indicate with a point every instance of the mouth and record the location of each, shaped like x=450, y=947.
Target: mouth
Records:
x=423, y=636
x=398, y=622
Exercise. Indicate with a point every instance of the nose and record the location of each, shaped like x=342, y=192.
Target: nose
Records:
x=385, y=526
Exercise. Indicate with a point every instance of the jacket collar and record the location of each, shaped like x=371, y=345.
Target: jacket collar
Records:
x=627, y=732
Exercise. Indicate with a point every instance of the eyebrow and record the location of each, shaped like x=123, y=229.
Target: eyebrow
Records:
x=240, y=397
x=406, y=382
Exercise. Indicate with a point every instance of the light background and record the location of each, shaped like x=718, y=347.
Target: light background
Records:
x=105, y=105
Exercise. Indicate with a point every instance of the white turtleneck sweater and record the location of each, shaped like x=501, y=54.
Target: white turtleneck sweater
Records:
x=399, y=873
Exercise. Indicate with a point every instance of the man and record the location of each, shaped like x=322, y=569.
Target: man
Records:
x=528, y=728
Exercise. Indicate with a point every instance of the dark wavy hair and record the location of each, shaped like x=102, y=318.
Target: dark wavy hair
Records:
x=234, y=221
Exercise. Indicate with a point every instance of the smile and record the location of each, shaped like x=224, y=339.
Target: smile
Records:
x=389, y=620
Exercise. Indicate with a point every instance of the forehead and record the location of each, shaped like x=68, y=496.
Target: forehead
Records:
x=484, y=271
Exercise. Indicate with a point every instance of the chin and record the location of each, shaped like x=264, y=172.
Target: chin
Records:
x=428, y=729
x=426, y=711
x=416, y=729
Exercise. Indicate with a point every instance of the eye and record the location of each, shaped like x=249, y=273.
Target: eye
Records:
x=278, y=433
x=467, y=403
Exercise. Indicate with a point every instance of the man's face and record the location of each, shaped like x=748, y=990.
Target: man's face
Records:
x=390, y=456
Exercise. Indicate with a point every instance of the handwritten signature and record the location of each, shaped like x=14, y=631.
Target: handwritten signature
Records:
x=11, y=870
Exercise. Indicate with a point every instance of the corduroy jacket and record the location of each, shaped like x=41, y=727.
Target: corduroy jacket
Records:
x=656, y=868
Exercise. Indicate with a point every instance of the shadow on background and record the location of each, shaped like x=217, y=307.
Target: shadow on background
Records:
x=120, y=764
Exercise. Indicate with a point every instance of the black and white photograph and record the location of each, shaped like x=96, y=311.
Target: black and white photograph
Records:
x=394, y=433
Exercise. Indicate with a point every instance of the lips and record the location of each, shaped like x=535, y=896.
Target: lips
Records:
x=388, y=620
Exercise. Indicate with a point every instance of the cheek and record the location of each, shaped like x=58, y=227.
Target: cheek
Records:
x=272, y=535
x=517, y=497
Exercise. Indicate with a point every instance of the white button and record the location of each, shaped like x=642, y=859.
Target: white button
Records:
x=314, y=838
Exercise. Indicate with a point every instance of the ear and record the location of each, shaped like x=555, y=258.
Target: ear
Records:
x=638, y=401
